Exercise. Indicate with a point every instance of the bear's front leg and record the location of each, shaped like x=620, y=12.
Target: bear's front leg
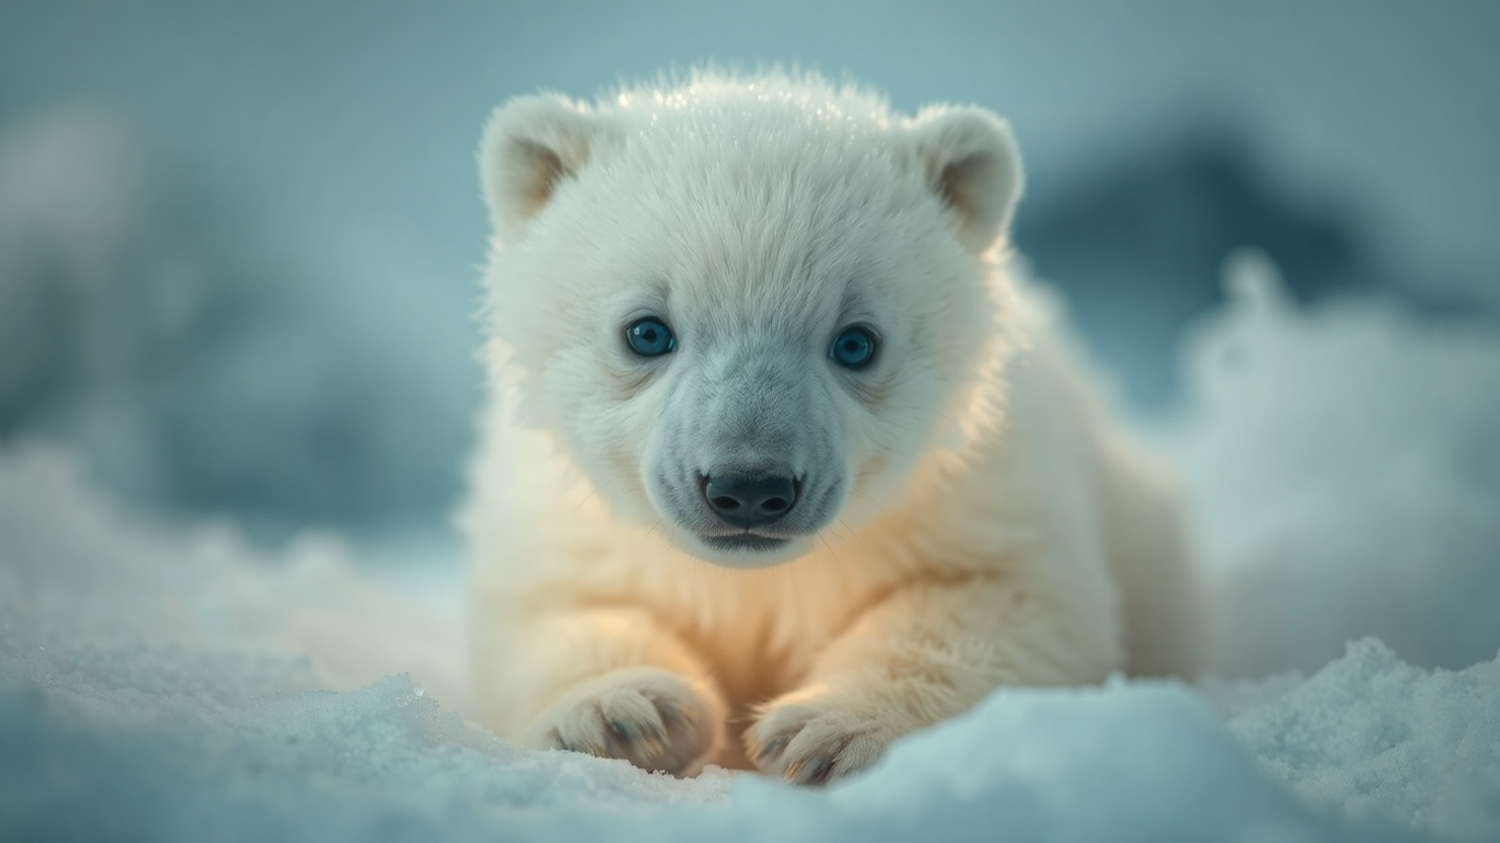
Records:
x=607, y=682
x=925, y=653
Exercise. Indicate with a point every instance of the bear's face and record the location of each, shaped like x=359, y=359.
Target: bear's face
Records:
x=743, y=319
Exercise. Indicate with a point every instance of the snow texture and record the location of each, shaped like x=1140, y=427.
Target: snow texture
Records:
x=171, y=683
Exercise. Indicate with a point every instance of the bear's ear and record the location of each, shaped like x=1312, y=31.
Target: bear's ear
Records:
x=529, y=146
x=973, y=164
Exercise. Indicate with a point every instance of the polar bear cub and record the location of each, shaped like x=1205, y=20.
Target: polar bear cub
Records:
x=777, y=466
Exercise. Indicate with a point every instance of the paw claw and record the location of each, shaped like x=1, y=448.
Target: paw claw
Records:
x=671, y=715
x=818, y=774
x=635, y=731
x=771, y=750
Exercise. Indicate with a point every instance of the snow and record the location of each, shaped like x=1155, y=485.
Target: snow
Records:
x=194, y=362
x=171, y=681
x=1380, y=737
x=1352, y=457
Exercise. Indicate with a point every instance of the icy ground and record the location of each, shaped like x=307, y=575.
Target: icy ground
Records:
x=1344, y=471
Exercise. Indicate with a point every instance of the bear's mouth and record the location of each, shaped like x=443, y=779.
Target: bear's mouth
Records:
x=746, y=541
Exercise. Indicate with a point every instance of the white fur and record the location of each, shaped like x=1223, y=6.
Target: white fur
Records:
x=968, y=518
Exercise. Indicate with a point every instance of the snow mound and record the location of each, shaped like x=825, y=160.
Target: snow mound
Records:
x=172, y=683
x=1379, y=737
x=128, y=742
x=1343, y=471
x=74, y=569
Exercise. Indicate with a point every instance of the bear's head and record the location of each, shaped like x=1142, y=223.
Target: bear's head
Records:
x=748, y=307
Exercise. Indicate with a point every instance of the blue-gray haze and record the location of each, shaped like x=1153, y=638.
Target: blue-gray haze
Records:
x=238, y=240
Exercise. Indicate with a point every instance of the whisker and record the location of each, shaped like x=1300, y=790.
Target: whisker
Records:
x=837, y=561
x=597, y=486
x=854, y=536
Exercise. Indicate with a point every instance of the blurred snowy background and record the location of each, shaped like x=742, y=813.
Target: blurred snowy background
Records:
x=238, y=240
x=238, y=249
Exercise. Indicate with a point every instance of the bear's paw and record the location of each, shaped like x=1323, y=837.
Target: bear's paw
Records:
x=649, y=717
x=806, y=743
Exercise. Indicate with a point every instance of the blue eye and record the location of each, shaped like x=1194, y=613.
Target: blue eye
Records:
x=650, y=337
x=854, y=347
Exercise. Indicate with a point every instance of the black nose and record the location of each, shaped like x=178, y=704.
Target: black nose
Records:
x=749, y=500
